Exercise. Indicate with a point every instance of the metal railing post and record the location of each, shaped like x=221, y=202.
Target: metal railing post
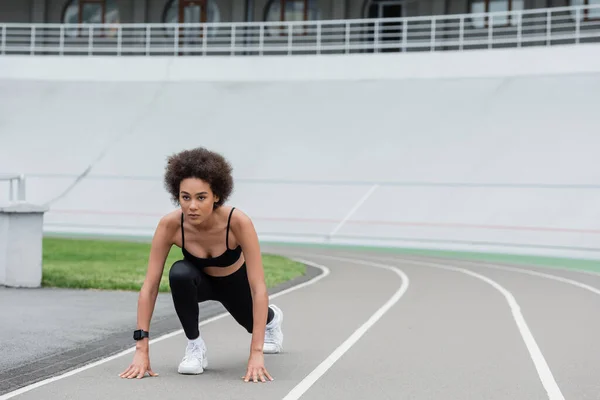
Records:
x=148, y=40
x=318, y=37
x=61, y=41
x=577, y=25
x=90, y=40
x=233, y=33
x=376, y=36
x=3, y=44
x=261, y=39
x=204, y=39
x=461, y=32
x=16, y=187
x=347, y=38
x=290, y=36
x=119, y=40
x=176, y=28
x=433, y=34
x=21, y=190
x=520, y=29
x=32, y=41
x=404, y=35
x=490, y=30
x=548, y=26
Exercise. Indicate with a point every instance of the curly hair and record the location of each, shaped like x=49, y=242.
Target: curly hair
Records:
x=203, y=164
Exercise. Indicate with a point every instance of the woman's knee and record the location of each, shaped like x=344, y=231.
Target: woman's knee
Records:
x=182, y=272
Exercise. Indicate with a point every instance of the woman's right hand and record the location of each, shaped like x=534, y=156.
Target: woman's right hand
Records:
x=139, y=366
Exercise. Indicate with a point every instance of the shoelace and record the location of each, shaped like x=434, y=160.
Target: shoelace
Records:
x=193, y=351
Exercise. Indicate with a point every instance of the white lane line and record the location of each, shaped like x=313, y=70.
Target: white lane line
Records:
x=325, y=272
x=579, y=271
x=543, y=370
x=565, y=269
x=540, y=274
x=538, y=266
x=523, y=270
x=312, y=377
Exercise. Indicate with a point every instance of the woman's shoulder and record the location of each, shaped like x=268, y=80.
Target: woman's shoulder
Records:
x=170, y=222
x=239, y=218
x=172, y=217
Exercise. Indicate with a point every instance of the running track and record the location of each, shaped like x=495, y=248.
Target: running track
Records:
x=387, y=327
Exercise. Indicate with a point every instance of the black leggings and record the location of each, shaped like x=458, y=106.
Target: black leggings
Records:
x=190, y=286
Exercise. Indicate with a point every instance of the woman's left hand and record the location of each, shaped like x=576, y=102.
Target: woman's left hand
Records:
x=256, y=368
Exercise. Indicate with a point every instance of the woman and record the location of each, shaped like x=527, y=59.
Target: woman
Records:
x=221, y=261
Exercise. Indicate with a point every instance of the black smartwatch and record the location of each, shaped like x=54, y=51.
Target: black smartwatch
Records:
x=140, y=334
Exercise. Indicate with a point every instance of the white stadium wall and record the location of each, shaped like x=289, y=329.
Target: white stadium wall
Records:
x=483, y=150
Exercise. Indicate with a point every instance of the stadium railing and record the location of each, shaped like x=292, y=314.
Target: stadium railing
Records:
x=16, y=186
x=533, y=27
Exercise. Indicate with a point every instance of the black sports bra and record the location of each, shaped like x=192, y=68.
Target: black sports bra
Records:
x=226, y=259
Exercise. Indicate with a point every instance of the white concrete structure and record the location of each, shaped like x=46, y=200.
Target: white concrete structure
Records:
x=484, y=150
x=21, y=245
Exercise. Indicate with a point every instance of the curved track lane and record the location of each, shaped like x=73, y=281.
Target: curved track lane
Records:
x=389, y=327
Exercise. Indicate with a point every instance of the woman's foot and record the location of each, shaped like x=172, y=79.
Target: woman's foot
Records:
x=273, y=334
x=194, y=361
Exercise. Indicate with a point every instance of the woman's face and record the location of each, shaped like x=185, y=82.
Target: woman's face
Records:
x=196, y=199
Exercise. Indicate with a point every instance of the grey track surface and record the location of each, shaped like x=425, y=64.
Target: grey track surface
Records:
x=48, y=331
x=451, y=336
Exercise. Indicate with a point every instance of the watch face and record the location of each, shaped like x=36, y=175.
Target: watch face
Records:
x=140, y=334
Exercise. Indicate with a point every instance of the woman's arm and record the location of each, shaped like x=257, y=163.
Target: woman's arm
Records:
x=247, y=237
x=159, y=250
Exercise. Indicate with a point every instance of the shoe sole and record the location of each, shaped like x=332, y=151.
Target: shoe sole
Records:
x=272, y=352
x=191, y=371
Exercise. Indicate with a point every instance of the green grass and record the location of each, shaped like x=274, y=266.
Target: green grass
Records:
x=115, y=265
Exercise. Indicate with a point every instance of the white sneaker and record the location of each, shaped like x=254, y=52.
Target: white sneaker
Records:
x=273, y=334
x=194, y=361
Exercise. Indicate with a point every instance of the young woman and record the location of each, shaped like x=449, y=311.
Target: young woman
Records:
x=221, y=261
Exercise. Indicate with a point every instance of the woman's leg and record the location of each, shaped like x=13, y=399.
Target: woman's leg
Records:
x=233, y=291
x=189, y=287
